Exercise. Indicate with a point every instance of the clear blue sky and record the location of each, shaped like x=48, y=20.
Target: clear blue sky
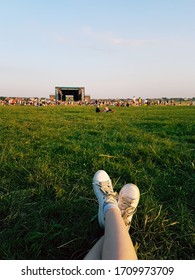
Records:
x=114, y=48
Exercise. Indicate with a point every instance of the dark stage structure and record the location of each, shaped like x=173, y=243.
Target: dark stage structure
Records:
x=70, y=93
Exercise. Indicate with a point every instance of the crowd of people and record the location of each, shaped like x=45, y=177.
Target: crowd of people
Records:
x=98, y=103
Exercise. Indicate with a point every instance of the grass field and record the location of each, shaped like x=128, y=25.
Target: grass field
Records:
x=48, y=156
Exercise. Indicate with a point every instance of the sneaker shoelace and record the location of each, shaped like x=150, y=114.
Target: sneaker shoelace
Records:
x=106, y=188
x=128, y=209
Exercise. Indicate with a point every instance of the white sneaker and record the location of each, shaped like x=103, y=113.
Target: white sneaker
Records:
x=128, y=200
x=105, y=194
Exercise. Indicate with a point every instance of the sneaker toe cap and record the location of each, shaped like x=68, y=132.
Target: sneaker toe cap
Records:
x=101, y=176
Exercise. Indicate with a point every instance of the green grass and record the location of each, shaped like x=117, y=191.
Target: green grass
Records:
x=48, y=156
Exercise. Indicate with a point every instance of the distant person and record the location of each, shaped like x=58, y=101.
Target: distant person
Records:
x=114, y=215
x=97, y=109
x=107, y=110
x=134, y=101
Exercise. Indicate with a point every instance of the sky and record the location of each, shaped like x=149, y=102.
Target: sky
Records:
x=113, y=48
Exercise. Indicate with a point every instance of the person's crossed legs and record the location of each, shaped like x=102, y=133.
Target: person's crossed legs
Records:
x=115, y=217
